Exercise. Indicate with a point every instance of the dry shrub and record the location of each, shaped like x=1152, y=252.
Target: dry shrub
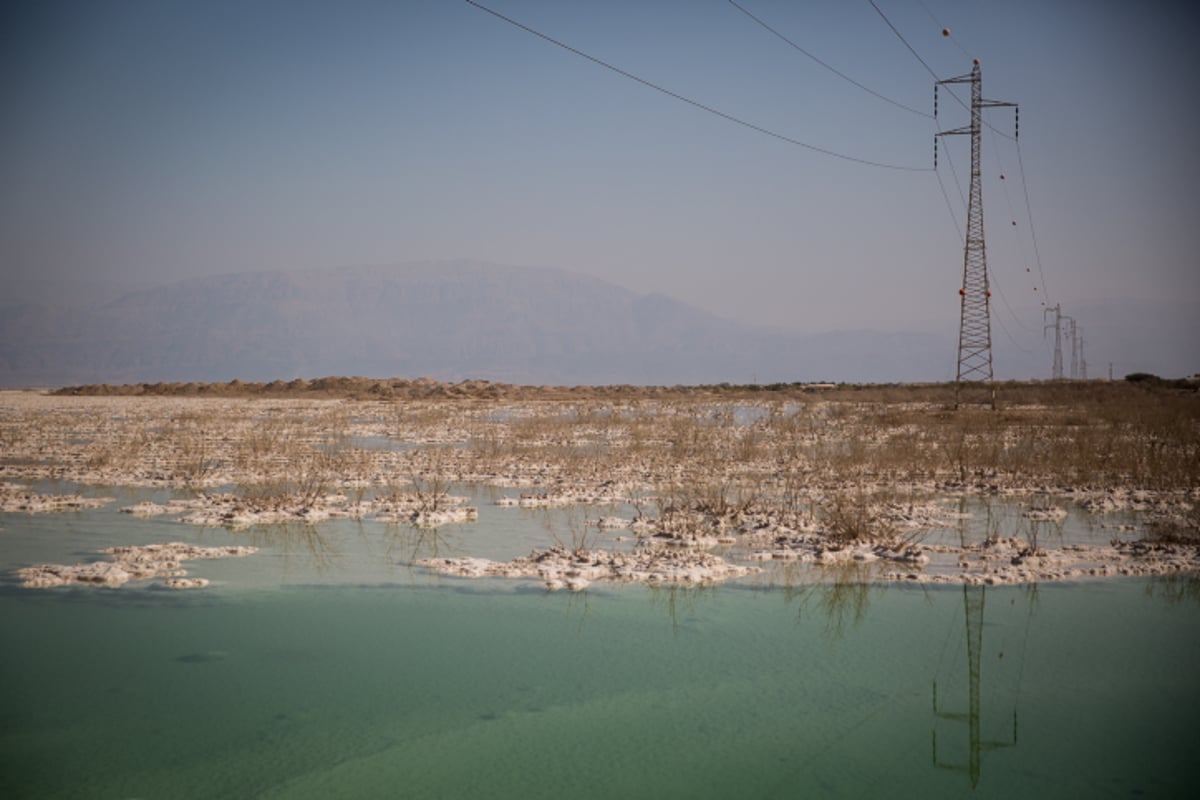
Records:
x=848, y=517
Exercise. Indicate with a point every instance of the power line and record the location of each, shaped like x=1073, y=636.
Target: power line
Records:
x=835, y=71
x=1003, y=298
x=916, y=55
x=945, y=196
x=992, y=273
x=954, y=172
x=694, y=103
x=1004, y=328
x=975, y=335
x=945, y=29
x=949, y=206
x=958, y=230
x=1024, y=185
x=1011, y=313
x=928, y=68
x=1015, y=139
x=1020, y=241
x=945, y=32
x=1032, y=233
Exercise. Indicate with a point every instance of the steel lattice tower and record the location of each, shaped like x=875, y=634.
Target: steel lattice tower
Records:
x=975, y=324
x=1073, y=332
x=1057, y=370
x=977, y=746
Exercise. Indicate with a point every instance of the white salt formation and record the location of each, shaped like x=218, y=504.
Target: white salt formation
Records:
x=132, y=563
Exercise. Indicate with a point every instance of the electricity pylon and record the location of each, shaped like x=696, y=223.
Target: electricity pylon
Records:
x=973, y=597
x=1074, y=334
x=1056, y=372
x=975, y=324
x=1082, y=360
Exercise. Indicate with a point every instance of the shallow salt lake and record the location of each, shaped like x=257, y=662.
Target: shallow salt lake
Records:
x=324, y=666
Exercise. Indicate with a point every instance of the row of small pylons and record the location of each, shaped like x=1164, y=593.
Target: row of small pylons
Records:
x=1065, y=327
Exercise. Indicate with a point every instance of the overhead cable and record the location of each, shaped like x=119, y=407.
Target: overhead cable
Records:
x=1032, y=233
x=916, y=55
x=694, y=103
x=834, y=70
x=949, y=207
x=1013, y=216
x=928, y=68
x=945, y=30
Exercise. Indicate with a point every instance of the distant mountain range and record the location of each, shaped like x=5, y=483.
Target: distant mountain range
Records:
x=447, y=320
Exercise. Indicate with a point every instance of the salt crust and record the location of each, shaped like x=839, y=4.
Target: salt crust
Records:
x=994, y=561
x=132, y=563
x=231, y=511
x=560, y=568
x=34, y=503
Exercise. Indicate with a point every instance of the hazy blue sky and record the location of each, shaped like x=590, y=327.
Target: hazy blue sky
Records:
x=148, y=141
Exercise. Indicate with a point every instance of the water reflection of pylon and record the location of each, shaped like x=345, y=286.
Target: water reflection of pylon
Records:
x=973, y=597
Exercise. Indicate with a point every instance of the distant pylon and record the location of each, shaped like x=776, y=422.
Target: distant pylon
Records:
x=975, y=324
x=1082, y=360
x=1056, y=372
x=1074, y=334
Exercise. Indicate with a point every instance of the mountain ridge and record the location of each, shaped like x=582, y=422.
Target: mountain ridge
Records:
x=448, y=320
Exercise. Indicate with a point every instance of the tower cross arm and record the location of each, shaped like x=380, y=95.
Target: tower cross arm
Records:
x=960, y=79
x=954, y=132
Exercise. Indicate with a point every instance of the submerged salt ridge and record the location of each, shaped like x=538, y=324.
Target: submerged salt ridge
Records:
x=575, y=570
x=231, y=511
x=993, y=562
x=132, y=563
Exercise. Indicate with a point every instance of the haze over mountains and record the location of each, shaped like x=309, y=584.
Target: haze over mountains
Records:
x=447, y=320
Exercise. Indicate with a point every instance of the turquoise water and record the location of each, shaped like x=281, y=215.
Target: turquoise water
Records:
x=342, y=672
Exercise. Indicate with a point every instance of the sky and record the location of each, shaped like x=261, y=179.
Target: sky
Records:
x=150, y=141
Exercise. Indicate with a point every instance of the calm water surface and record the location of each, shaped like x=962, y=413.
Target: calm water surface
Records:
x=325, y=667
